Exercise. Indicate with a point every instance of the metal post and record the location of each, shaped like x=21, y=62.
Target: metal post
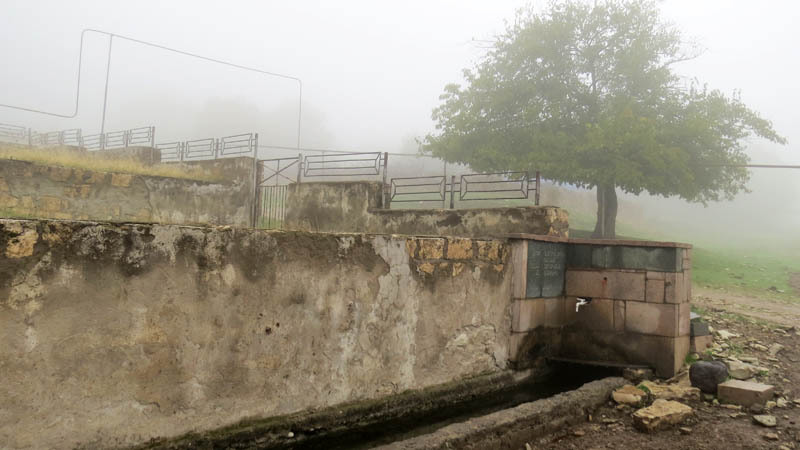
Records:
x=385, y=200
x=30, y=137
x=299, y=167
x=256, y=178
x=452, y=191
x=105, y=93
x=299, y=111
x=538, y=186
x=153, y=146
x=444, y=194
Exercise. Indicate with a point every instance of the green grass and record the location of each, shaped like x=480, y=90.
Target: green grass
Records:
x=748, y=271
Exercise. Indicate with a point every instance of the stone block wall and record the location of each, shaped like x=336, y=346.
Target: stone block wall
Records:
x=356, y=207
x=34, y=190
x=639, y=308
x=114, y=334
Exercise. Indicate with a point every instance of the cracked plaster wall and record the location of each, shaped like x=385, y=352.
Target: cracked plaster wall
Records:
x=115, y=334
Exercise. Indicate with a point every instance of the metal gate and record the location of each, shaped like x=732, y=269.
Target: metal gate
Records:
x=273, y=177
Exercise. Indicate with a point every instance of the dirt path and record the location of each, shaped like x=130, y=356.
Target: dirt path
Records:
x=770, y=310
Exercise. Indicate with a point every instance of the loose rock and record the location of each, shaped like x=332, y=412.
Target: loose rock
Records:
x=771, y=437
x=765, y=420
x=774, y=349
x=724, y=334
x=741, y=370
x=629, y=395
x=706, y=375
x=660, y=415
x=672, y=391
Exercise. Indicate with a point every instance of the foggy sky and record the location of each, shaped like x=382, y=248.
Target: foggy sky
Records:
x=372, y=70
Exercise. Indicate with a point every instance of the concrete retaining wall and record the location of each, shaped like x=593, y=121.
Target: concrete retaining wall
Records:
x=115, y=334
x=34, y=190
x=356, y=207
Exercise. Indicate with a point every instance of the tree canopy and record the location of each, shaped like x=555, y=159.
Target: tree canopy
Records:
x=588, y=95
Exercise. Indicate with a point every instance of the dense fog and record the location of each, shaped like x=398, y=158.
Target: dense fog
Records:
x=371, y=73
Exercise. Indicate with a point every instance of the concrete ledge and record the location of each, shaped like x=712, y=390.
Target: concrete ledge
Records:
x=513, y=428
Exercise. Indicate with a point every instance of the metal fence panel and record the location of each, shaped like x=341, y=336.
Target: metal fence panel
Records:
x=116, y=139
x=200, y=149
x=139, y=136
x=239, y=144
x=13, y=134
x=171, y=151
x=71, y=137
x=418, y=189
x=93, y=142
x=494, y=186
x=342, y=165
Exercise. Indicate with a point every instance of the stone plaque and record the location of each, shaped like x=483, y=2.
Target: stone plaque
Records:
x=546, y=266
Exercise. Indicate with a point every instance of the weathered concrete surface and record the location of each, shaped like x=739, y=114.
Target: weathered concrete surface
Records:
x=355, y=207
x=34, y=190
x=115, y=334
x=361, y=419
x=513, y=428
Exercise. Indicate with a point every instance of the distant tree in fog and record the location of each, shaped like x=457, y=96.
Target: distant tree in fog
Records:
x=587, y=94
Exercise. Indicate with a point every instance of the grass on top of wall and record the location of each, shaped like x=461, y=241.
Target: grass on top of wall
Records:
x=66, y=157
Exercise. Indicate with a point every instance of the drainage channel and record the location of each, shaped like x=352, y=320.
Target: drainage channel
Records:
x=565, y=377
x=407, y=416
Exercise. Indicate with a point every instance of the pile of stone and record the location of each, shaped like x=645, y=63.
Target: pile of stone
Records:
x=665, y=411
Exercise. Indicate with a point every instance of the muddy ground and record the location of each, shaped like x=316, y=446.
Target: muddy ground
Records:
x=714, y=426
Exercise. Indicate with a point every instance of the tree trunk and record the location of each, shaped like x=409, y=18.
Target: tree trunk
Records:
x=605, y=227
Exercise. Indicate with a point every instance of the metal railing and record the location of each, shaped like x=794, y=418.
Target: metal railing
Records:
x=343, y=165
x=200, y=149
x=497, y=186
x=170, y=151
x=418, y=189
x=144, y=136
x=13, y=134
x=210, y=148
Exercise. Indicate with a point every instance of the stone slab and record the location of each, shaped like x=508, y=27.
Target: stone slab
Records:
x=699, y=329
x=744, y=393
x=664, y=354
x=545, y=270
x=526, y=314
x=519, y=264
x=675, y=289
x=654, y=291
x=656, y=319
x=699, y=344
x=660, y=415
x=597, y=315
x=663, y=259
x=606, y=284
